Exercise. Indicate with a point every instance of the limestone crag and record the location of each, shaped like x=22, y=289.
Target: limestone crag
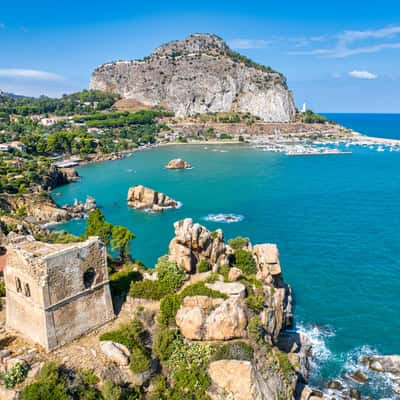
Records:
x=143, y=198
x=178, y=163
x=197, y=75
x=193, y=243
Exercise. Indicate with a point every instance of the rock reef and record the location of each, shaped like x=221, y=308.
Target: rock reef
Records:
x=178, y=163
x=143, y=198
x=196, y=75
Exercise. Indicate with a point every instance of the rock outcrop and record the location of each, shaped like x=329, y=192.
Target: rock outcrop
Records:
x=115, y=352
x=387, y=364
x=238, y=380
x=143, y=198
x=203, y=318
x=197, y=75
x=178, y=163
x=193, y=243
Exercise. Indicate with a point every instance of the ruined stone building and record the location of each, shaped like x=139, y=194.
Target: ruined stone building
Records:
x=56, y=292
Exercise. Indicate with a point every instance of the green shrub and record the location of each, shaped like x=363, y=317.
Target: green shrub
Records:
x=17, y=374
x=49, y=385
x=284, y=364
x=139, y=360
x=200, y=289
x=203, y=266
x=255, y=328
x=244, y=260
x=188, y=370
x=169, y=275
x=255, y=303
x=130, y=335
x=234, y=351
x=147, y=289
x=224, y=271
x=169, y=306
x=238, y=242
x=164, y=343
x=110, y=391
x=2, y=289
x=120, y=281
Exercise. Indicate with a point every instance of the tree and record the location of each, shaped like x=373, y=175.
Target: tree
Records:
x=120, y=241
x=98, y=226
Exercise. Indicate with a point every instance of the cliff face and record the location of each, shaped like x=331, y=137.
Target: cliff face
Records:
x=199, y=74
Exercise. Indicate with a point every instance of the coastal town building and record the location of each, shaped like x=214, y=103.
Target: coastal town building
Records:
x=56, y=292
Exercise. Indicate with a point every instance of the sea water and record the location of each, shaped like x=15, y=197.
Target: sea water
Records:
x=336, y=220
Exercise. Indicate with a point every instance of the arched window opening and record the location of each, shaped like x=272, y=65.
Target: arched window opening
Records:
x=88, y=278
x=27, y=290
x=18, y=285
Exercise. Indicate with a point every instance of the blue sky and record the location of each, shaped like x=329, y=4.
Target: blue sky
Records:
x=341, y=56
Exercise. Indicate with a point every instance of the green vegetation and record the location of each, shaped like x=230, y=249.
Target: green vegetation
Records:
x=2, y=289
x=234, y=351
x=15, y=375
x=244, y=260
x=200, y=289
x=311, y=117
x=170, y=278
x=255, y=303
x=132, y=335
x=239, y=242
x=203, y=266
x=255, y=328
x=120, y=280
x=117, y=236
x=120, y=242
x=56, y=383
x=169, y=306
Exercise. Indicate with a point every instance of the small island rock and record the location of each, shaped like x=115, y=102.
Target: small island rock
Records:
x=178, y=163
x=143, y=198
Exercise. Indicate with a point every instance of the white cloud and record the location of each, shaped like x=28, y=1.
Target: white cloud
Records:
x=31, y=74
x=248, y=43
x=345, y=43
x=363, y=75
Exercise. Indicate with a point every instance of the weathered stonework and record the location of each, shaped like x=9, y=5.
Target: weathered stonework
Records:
x=56, y=292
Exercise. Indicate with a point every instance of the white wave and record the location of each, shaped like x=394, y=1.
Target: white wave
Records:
x=224, y=218
x=317, y=337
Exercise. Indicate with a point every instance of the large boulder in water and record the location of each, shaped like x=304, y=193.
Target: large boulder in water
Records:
x=143, y=198
x=178, y=163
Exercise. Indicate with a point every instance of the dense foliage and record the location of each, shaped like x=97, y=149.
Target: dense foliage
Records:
x=244, y=260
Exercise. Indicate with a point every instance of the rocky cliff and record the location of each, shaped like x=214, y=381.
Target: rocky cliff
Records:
x=199, y=74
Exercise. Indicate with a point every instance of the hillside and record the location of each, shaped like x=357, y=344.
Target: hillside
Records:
x=198, y=75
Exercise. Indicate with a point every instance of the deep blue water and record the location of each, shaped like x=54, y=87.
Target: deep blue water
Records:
x=336, y=220
x=379, y=125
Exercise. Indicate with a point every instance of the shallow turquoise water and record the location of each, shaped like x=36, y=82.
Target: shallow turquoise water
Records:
x=336, y=220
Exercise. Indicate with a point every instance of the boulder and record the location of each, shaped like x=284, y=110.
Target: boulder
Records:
x=389, y=364
x=115, y=352
x=234, y=274
x=267, y=260
x=231, y=289
x=203, y=318
x=143, y=198
x=178, y=163
x=194, y=242
x=237, y=380
x=358, y=377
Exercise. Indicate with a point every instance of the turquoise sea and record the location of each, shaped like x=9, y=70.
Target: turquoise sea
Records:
x=336, y=220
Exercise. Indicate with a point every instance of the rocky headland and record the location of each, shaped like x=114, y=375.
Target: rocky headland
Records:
x=143, y=198
x=197, y=75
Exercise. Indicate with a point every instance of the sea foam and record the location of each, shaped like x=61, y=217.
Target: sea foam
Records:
x=224, y=218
